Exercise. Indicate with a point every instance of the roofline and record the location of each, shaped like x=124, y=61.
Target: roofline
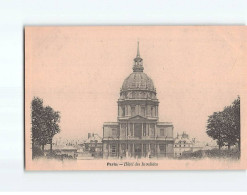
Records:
x=110, y=123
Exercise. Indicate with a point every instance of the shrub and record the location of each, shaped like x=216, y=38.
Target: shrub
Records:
x=215, y=153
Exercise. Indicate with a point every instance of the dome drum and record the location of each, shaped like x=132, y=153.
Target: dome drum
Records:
x=134, y=94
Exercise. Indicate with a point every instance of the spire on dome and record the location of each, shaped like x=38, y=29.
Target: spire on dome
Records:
x=138, y=67
x=138, y=52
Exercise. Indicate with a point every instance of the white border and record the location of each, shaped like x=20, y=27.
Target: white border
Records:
x=15, y=14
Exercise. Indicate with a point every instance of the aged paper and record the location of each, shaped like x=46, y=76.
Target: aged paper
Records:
x=135, y=97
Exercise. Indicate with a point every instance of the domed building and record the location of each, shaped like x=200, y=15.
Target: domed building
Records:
x=138, y=132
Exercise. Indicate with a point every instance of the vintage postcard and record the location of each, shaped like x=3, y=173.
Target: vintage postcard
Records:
x=135, y=97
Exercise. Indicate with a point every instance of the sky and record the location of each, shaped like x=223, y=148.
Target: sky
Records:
x=79, y=71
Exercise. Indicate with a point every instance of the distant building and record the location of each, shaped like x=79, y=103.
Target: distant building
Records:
x=62, y=150
x=138, y=132
x=93, y=145
x=182, y=143
x=211, y=145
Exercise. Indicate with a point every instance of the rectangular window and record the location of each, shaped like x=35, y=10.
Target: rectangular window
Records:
x=162, y=148
x=152, y=129
x=114, y=132
x=123, y=146
x=144, y=132
x=162, y=132
x=131, y=129
x=113, y=150
x=123, y=131
x=132, y=111
x=144, y=129
x=123, y=126
x=138, y=130
x=144, y=148
x=152, y=148
x=123, y=108
x=142, y=111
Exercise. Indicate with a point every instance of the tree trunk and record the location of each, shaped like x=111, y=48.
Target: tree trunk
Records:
x=43, y=147
x=51, y=147
x=219, y=146
x=229, y=146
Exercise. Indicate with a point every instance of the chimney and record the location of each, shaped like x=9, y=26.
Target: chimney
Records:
x=89, y=135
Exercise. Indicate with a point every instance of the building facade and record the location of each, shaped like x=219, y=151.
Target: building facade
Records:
x=93, y=145
x=183, y=144
x=138, y=132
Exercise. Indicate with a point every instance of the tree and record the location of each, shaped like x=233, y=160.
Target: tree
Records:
x=224, y=126
x=215, y=129
x=52, y=119
x=38, y=130
x=44, y=124
x=236, y=120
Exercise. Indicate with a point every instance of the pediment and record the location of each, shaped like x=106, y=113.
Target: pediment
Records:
x=137, y=117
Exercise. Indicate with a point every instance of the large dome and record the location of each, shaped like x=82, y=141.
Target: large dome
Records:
x=138, y=80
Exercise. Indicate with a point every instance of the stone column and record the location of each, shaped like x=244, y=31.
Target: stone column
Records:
x=120, y=150
x=142, y=130
x=142, y=150
x=119, y=111
x=133, y=128
x=133, y=149
x=149, y=147
x=158, y=149
x=109, y=151
x=155, y=152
